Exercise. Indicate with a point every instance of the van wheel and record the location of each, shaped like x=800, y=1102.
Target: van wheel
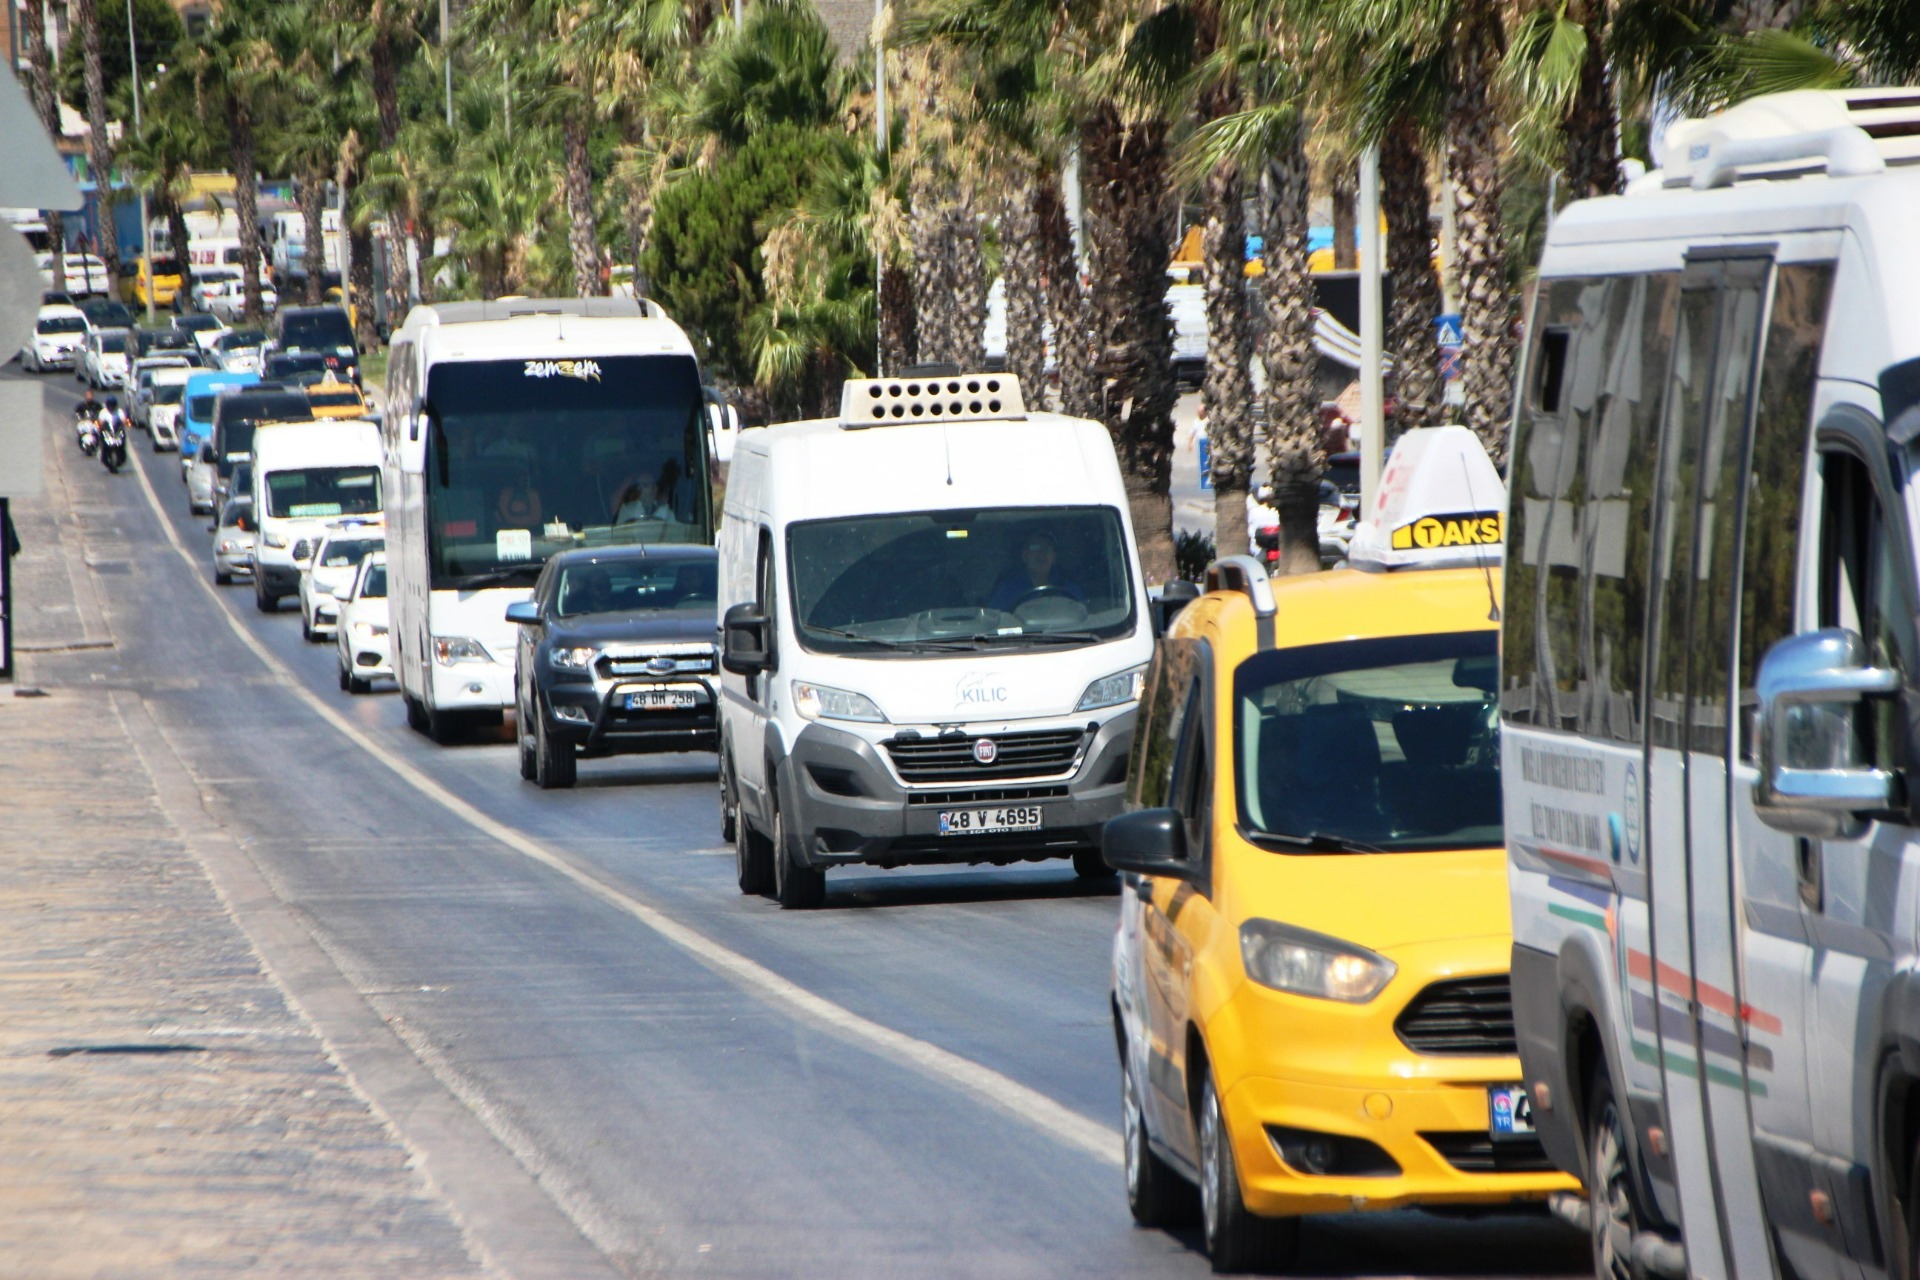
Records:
x=729, y=805
x=1237, y=1239
x=346, y=681
x=795, y=887
x=356, y=685
x=1614, y=1202
x=1156, y=1195
x=752, y=858
x=1089, y=865
x=263, y=601
x=554, y=765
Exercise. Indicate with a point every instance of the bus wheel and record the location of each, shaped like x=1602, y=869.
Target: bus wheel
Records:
x=416, y=714
x=1615, y=1204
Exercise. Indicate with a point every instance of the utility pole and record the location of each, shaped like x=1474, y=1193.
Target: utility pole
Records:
x=1373, y=416
x=881, y=142
x=146, y=223
x=446, y=57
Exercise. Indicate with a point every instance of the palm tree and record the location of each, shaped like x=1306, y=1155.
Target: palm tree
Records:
x=86, y=17
x=235, y=70
x=161, y=157
x=46, y=106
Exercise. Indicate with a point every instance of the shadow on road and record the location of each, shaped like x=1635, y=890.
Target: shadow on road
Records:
x=1411, y=1243
x=860, y=889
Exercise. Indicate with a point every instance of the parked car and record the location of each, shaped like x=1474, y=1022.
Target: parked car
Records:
x=85, y=274
x=209, y=279
x=103, y=362
x=105, y=313
x=238, y=350
x=361, y=639
x=332, y=560
x=58, y=335
x=233, y=541
x=616, y=654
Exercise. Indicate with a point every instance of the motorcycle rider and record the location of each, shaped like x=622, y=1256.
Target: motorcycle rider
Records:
x=113, y=436
x=86, y=423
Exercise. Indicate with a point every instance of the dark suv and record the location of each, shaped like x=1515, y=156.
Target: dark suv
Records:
x=616, y=654
x=325, y=331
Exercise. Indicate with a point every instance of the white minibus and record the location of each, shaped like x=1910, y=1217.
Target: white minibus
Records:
x=1710, y=691
x=515, y=429
x=935, y=629
x=308, y=476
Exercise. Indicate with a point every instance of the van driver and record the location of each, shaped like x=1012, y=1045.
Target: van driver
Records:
x=1037, y=572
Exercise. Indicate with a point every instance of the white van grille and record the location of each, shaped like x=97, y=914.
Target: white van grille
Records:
x=966, y=397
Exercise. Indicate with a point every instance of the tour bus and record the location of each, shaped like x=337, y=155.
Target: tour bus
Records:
x=935, y=632
x=515, y=429
x=1710, y=682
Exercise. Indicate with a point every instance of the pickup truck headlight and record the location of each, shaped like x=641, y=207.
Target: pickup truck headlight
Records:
x=1305, y=963
x=819, y=702
x=449, y=650
x=277, y=541
x=1111, y=691
x=575, y=658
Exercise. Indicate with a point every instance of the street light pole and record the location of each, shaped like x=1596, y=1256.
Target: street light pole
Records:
x=446, y=58
x=146, y=223
x=1373, y=417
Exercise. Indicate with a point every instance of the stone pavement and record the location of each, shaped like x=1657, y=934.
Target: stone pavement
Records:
x=165, y=1110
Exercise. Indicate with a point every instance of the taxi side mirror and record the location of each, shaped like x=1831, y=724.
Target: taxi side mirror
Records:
x=1147, y=842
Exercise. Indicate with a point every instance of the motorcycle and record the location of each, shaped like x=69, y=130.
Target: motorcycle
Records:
x=113, y=444
x=89, y=434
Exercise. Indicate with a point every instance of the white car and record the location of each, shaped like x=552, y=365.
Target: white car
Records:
x=331, y=564
x=233, y=542
x=209, y=281
x=204, y=327
x=140, y=383
x=229, y=300
x=164, y=406
x=361, y=640
x=103, y=361
x=237, y=350
x=58, y=335
x=85, y=273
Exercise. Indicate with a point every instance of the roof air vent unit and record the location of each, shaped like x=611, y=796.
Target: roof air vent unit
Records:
x=967, y=397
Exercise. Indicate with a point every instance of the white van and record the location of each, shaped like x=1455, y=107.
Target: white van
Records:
x=935, y=629
x=1710, y=682
x=307, y=476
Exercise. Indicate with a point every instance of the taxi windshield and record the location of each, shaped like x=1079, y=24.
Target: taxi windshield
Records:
x=1370, y=746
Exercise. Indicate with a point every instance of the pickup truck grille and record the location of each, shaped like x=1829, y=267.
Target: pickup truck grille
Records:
x=951, y=758
x=1470, y=1016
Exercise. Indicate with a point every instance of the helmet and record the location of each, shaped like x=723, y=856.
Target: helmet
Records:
x=113, y=402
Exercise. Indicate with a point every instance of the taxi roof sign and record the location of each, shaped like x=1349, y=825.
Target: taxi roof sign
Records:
x=1441, y=504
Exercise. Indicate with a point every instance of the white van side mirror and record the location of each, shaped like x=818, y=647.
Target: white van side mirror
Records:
x=1813, y=689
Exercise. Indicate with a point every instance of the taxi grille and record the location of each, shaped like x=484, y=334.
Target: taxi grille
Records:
x=1016, y=755
x=1472, y=1016
x=1473, y=1151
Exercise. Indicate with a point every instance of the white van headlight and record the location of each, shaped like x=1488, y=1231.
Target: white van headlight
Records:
x=818, y=702
x=1305, y=963
x=1111, y=691
x=448, y=650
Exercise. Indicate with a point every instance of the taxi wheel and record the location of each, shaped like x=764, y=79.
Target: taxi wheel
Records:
x=1616, y=1213
x=554, y=764
x=346, y=681
x=795, y=887
x=1237, y=1240
x=307, y=632
x=1157, y=1196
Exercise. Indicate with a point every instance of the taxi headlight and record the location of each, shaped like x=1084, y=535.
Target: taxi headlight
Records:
x=1111, y=691
x=819, y=702
x=572, y=659
x=448, y=650
x=1305, y=963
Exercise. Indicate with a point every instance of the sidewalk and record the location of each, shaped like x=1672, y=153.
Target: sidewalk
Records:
x=164, y=1110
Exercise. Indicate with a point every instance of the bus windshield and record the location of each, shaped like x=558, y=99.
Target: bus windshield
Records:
x=530, y=457
x=311, y=492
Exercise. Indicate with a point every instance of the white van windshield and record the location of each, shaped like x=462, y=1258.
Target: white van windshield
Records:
x=1009, y=577
x=1370, y=746
x=323, y=491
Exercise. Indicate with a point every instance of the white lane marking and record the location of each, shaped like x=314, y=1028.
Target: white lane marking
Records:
x=1025, y=1104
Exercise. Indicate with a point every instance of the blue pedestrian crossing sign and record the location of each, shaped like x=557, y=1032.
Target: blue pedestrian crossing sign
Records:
x=1446, y=331
x=1206, y=462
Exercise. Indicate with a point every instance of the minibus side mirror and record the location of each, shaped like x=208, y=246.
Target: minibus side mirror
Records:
x=525, y=612
x=744, y=647
x=1148, y=842
x=1813, y=690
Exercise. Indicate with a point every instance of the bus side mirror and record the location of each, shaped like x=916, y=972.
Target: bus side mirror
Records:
x=1813, y=690
x=744, y=648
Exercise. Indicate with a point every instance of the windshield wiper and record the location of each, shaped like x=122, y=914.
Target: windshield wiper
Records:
x=883, y=641
x=1043, y=637
x=1321, y=842
x=493, y=578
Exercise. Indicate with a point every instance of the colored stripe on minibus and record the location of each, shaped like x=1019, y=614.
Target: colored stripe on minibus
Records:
x=1640, y=965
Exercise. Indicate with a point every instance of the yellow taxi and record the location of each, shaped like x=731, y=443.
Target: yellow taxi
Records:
x=1310, y=974
x=331, y=398
x=162, y=276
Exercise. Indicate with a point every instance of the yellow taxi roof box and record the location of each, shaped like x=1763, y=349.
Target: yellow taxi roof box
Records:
x=1441, y=504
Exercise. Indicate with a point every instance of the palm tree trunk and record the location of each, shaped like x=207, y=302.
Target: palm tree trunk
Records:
x=1287, y=353
x=1593, y=120
x=40, y=87
x=176, y=217
x=312, y=197
x=1129, y=241
x=899, y=332
x=1067, y=307
x=1408, y=205
x=1346, y=198
x=99, y=154
x=423, y=250
x=1473, y=167
x=383, y=72
x=1227, y=393
x=359, y=233
x=1022, y=272
x=579, y=180
x=246, y=200
x=949, y=277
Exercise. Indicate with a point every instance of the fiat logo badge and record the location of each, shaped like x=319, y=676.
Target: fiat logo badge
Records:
x=985, y=750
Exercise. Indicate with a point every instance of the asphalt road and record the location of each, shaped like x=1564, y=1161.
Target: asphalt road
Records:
x=918, y=1080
